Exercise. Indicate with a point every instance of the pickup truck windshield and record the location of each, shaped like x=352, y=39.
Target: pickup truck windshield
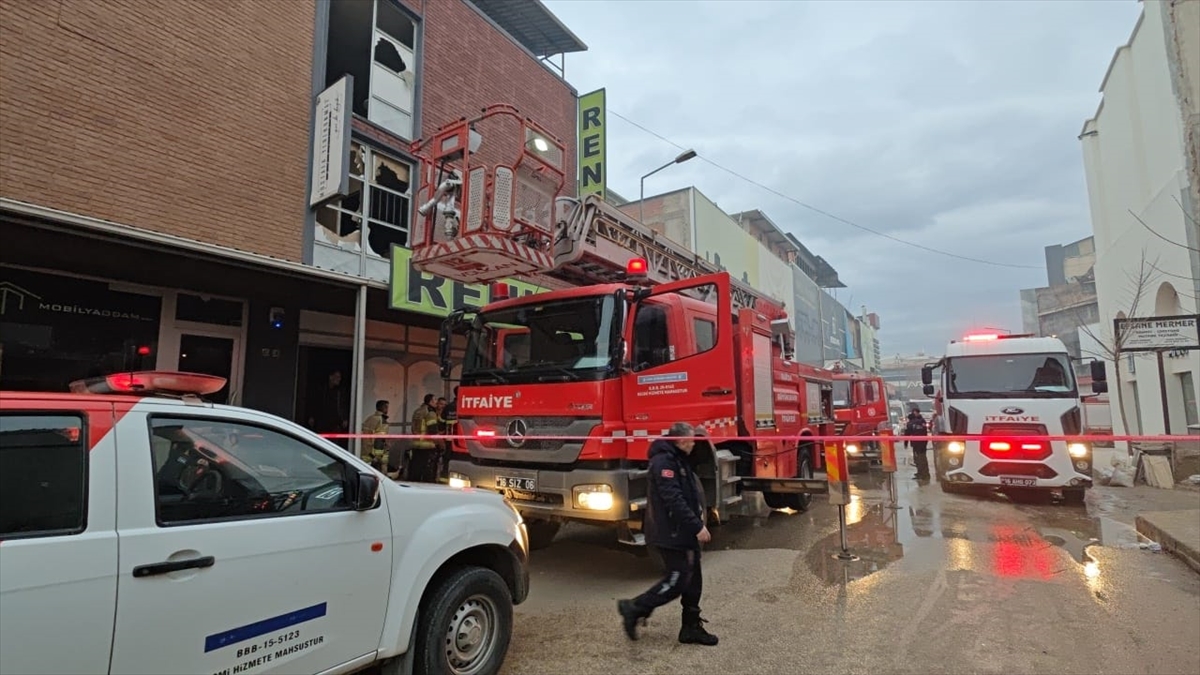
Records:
x=1011, y=376
x=558, y=341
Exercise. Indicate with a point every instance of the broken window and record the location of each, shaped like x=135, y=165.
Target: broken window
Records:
x=375, y=41
x=391, y=199
x=387, y=203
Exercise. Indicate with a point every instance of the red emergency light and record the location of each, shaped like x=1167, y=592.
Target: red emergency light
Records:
x=980, y=337
x=144, y=350
x=485, y=433
x=151, y=382
x=636, y=267
x=501, y=290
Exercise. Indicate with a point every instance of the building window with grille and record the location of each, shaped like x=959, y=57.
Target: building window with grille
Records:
x=380, y=195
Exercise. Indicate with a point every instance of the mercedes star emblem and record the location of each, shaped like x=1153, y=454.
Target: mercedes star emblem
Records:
x=517, y=430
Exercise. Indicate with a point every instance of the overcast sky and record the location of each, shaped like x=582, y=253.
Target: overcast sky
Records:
x=951, y=124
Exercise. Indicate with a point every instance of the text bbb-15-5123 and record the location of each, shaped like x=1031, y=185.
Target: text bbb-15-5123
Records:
x=268, y=643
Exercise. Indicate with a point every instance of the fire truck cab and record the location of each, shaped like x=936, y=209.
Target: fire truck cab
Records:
x=1010, y=392
x=562, y=392
x=860, y=407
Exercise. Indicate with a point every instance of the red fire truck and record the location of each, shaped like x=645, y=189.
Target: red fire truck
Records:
x=561, y=392
x=860, y=407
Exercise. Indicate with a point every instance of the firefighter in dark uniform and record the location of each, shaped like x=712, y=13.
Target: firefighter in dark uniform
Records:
x=674, y=525
x=916, y=426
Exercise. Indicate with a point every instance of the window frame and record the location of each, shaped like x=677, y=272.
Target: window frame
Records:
x=85, y=448
x=376, y=33
x=350, y=472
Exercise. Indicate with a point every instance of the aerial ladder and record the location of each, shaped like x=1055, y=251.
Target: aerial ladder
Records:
x=508, y=218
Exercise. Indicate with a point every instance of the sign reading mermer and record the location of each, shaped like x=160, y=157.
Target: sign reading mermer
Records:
x=1158, y=332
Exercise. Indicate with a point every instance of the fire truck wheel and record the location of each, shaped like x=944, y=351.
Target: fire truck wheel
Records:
x=949, y=488
x=541, y=533
x=1073, y=496
x=795, y=502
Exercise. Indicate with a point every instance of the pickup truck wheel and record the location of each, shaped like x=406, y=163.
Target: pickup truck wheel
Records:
x=466, y=626
x=541, y=533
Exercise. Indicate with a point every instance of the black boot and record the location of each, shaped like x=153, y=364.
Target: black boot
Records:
x=693, y=633
x=630, y=617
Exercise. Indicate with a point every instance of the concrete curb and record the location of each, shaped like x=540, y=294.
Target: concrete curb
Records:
x=1178, y=532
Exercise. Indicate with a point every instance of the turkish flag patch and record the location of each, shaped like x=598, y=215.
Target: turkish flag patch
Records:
x=668, y=473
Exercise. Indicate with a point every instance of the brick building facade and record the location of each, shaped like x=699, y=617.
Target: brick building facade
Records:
x=155, y=161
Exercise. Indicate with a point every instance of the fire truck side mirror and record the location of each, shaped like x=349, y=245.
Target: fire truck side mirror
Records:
x=1099, y=377
x=928, y=389
x=926, y=376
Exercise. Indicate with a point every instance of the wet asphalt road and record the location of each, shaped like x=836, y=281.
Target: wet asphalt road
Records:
x=944, y=584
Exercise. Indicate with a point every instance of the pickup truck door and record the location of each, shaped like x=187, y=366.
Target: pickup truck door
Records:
x=239, y=551
x=682, y=367
x=58, y=558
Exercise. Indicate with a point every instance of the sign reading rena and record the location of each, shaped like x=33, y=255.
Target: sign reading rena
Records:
x=1159, y=332
x=489, y=401
x=428, y=294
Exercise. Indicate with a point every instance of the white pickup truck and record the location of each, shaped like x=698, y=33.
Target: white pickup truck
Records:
x=151, y=533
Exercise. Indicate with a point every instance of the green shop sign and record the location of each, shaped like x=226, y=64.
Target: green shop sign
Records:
x=415, y=291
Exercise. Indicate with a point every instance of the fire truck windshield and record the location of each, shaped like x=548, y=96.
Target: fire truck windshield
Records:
x=1011, y=376
x=561, y=340
x=841, y=394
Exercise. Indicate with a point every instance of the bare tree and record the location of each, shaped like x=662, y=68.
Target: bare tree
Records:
x=1109, y=343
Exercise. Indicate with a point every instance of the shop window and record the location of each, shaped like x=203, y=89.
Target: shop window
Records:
x=43, y=475
x=56, y=329
x=376, y=43
x=387, y=200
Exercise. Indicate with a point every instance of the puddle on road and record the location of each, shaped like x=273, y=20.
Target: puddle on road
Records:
x=1020, y=544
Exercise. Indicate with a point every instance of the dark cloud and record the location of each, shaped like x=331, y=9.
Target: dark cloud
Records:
x=949, y=124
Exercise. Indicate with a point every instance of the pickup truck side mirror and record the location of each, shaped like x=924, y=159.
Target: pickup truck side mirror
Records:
x=366, y=494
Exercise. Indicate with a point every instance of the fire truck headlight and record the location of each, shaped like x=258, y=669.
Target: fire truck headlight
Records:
x=852, y=448
x=457, y=480
x=955, y=447
x=1078, y=449
x=593, y=497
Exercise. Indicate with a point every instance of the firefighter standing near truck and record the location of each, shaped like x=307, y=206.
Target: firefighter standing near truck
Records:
x=916, y=426
x=674, y=525
x=423, y=465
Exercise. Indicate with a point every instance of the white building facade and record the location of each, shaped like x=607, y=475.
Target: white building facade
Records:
x=1141, y=153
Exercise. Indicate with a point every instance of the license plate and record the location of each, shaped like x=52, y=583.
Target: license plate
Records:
x=513, y=483
x=1018, y=481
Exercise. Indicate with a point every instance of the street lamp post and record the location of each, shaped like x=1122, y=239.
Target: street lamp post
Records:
x=683, y=157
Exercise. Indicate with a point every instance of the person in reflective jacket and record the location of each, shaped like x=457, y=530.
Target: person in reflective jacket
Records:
x=674, y=525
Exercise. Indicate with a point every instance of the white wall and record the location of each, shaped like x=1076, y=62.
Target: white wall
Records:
x=1134, y=161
